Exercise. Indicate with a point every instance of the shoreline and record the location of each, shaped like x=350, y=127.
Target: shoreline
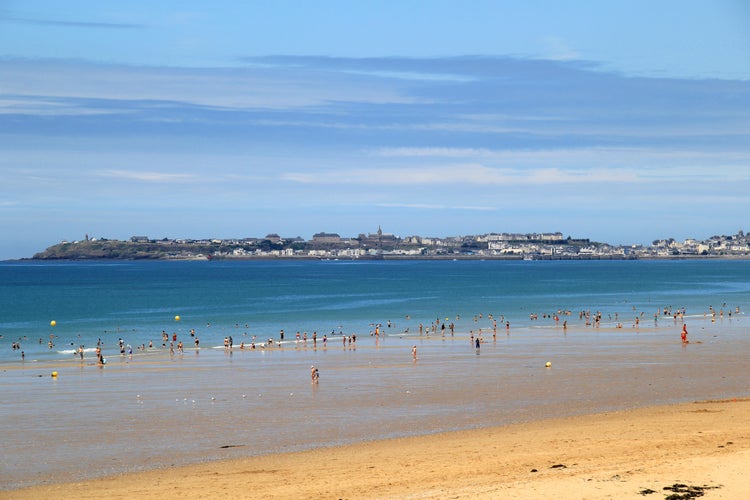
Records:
x=393, y=257
x=623, y=454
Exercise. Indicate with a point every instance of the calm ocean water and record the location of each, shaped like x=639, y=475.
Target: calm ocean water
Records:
x=155, y=408
x=136, y=301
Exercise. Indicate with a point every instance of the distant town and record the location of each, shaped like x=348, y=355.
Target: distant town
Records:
x=381, y=245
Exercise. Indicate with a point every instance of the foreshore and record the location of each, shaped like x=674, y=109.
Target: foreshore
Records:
x=644, y=453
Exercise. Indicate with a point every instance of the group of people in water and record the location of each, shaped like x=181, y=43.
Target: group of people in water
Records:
x=437, y=327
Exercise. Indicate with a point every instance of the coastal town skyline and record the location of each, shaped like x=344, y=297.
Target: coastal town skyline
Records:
x=426, y=117
x=383, y=245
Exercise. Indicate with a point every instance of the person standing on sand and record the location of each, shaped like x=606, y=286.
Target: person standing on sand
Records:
x=314, y=374
x=684, y=334
x=414, y=352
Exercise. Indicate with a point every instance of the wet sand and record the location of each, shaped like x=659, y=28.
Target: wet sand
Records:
x=467, y=423
x=644, y=453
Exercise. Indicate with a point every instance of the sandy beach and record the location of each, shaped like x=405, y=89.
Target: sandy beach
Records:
x=685, y=449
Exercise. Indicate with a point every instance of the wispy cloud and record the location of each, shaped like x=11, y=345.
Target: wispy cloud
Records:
x=558, y=49
x=436, y=152
x=671, y=162
x=49, y=106
x=461, y=174
x=155, y=177
x=41, y=21
x=429, y=206
x=227, y=89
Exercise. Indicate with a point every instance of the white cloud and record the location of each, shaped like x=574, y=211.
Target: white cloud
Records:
x=558, y=49
x=427, y=206
x=671, y=162
x=42, y=106
x=434, y=152
x=458, y=174
x=148, y=176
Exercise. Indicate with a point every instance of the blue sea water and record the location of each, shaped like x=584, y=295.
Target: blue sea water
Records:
x=157, y=408
x=137, y=300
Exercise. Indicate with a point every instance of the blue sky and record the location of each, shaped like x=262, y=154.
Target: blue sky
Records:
x=621, y=122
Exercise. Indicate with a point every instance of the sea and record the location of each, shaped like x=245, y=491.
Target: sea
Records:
x=402, y=348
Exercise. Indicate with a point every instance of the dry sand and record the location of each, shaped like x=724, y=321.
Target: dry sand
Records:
x=633, y=454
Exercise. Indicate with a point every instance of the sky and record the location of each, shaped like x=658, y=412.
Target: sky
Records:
x=621, y=121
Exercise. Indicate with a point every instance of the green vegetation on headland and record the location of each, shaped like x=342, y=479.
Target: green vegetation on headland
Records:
x=535, y=246
x=117, y=249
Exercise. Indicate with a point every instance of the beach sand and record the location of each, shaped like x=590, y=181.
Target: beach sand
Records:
x=629, y=454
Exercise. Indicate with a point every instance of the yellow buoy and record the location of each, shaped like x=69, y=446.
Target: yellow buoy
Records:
x=54, y=374
x=548, y=364
x=177, y=318
x=52, y=323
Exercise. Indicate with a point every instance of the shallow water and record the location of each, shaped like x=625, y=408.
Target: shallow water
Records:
x=156, y=410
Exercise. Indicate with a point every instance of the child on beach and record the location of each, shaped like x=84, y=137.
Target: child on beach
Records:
x=684, y=334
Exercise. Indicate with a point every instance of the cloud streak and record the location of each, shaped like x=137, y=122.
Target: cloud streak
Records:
x=429, y=206
x=461, y=174
x=149, y=177
x=38, y=21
